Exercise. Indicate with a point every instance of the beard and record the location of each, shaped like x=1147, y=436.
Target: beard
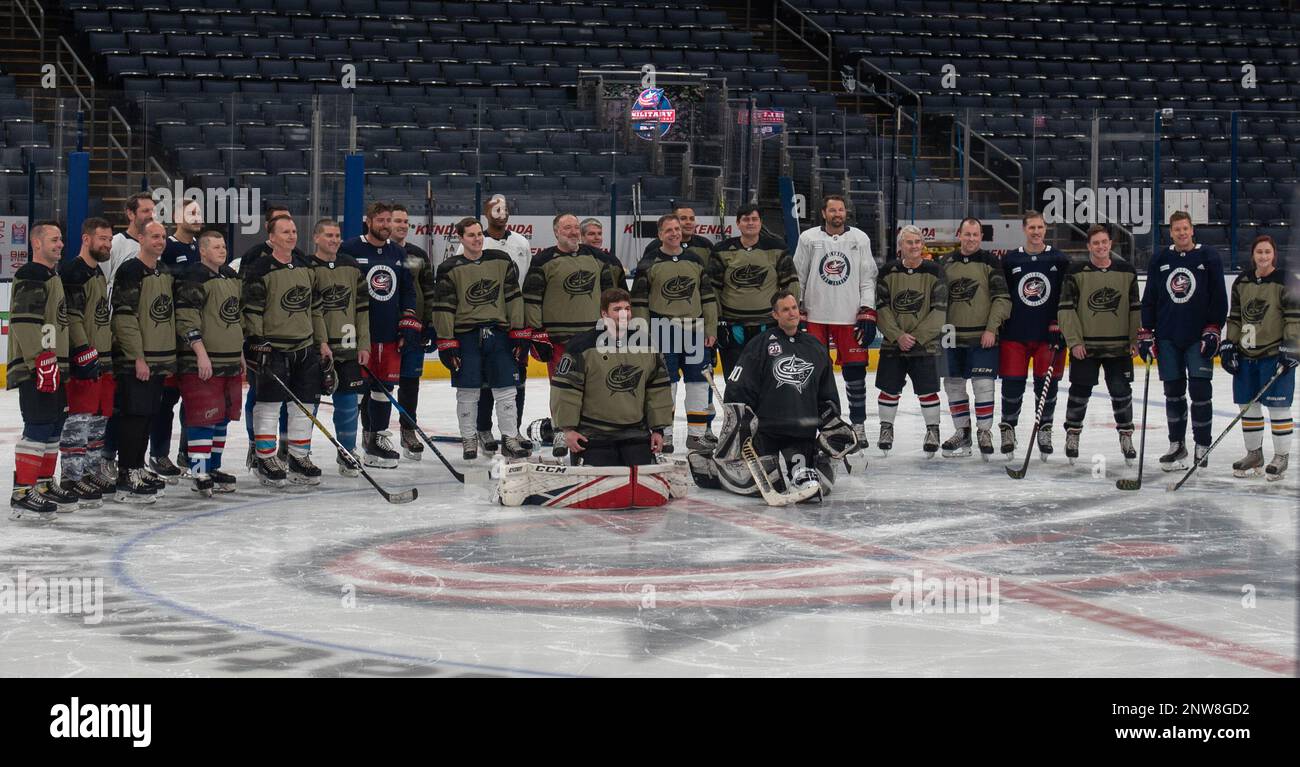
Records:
x=100, y=256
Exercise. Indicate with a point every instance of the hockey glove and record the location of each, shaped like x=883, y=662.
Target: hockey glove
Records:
x=520, y=341
x=1228, y=357
x=1289, y=353
x=865, y=332
x=329, y=380
x=1146, y=345
x=835, y=437
x=85, y=363
x=1210, y=341
x=449, y=353
x=1055, y=338
x=259, y=353
x=410, y=330
x=430, y=339
x=541, y=345
x=46, y=368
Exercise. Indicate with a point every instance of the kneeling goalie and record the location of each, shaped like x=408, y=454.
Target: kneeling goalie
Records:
x=610, y=403
x=781, y=407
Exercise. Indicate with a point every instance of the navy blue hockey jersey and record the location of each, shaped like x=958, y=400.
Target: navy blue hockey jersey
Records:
x=392, y=291
x=1184, y=294
x=1034, y=282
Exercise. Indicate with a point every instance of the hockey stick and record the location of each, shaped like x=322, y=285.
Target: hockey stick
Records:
x=1281, y=369
x=1038, y=421
x=1136, y=484
x=770, y=494
x=405, y=496
x=436, y=438
x=401, y=411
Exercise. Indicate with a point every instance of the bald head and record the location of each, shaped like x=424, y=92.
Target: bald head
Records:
x=153, y=241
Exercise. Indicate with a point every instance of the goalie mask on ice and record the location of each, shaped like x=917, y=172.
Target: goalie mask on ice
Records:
x=593, y=487
x=781, y=478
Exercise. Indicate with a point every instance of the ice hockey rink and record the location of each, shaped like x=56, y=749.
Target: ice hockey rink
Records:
x=1067, y=576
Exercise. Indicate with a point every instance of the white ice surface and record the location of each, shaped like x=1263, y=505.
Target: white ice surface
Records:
x=1092, y=581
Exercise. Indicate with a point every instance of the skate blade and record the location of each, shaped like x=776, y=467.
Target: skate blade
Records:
x=1247, y=473
x=90, y=504
x=272, y=482
x=411, y=455
x=985, y=456
x=959, y=453
x=1171, y=467
x=69, y=508
x=379, y=463
x=224, y=488
x=135, y=500
x=930, y=454
x=1274, y=477
x=302, y=481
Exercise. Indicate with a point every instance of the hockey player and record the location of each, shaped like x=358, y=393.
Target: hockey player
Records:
x=264, y=248
x=609, y=400
x=672, y=290
x=496, y=211
x=593, y=233
x=1263, y=332
x=38, y=364
x=1034, y=273
x=394, y=325
x=210, y=360
x=412, y=367
x=340, y=288
x=1183, y=309
x=696, y=244
x=912, y=301
x=144, y=353
x=280, y=322
x=838, y=275
x=978, y=304
x=783, y=380
x=747, y=271
x=478, y=315
x=139, y=212
x=181, y=253
x=562, y=291
x=90, y=385
x=1100, y=315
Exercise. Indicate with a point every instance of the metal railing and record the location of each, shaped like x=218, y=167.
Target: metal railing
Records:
x=893, y=85
x=987, y=147
x=22, y=6
x=806, y=26
x=87, y=104
x=154, y=169
x=116, y=147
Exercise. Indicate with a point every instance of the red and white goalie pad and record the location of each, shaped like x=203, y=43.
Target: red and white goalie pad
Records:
x=593, y=487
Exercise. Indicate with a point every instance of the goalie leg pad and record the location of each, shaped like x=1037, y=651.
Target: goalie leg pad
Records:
x=590, y=487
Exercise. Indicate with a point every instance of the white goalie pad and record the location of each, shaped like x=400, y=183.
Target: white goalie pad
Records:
x=593, y=487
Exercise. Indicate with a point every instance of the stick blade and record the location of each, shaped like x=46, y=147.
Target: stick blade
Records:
x=1015, y=473
x=1128, y=484
x=406, y=496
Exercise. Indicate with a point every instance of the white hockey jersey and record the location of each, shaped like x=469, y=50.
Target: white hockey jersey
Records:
x=516, y=246
x=123, y=248
x=837, y=274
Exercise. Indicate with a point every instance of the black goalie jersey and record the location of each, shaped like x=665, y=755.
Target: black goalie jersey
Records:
x=787, y=381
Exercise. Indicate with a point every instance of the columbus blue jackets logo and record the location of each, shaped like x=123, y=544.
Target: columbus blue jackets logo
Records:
x=382, y=283
x=580, y=283
x=160, y=310
x=483, y=292
x=1254, y=311
x=296, y=299
x=1034, y=289
x=1181, y=285
x=229, y=311
x=679, y=288
x=1104, y=301
x=907, y=302
x=335, y=298
x=62, y=313
x=102, y=314
x=792, y=371
x=748, y=277
x=624, y=379
x=834, y=268
x=962, y=290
